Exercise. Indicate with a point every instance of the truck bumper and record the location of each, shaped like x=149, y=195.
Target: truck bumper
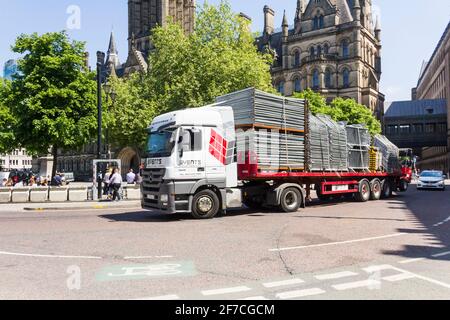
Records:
x=164, y=200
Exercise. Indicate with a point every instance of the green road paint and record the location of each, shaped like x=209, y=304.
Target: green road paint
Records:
x=147, y=271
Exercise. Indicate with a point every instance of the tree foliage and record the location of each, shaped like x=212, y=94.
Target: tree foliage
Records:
x=53, y=98
x=6, y=119
x=347, y=110
x=129, y=112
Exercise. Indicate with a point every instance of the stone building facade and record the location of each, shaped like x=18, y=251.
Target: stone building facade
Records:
x=434, y=83
x=334, y=47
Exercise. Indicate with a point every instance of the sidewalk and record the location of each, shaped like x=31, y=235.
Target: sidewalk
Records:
x=70, y=206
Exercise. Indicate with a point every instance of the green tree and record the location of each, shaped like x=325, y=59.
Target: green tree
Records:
x=219, y=57
x=53, y=99
x=130, y=112
x=6, y=119
x=340, y=109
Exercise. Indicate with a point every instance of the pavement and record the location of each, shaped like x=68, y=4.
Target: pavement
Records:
x=391, y=249
x=70, y=206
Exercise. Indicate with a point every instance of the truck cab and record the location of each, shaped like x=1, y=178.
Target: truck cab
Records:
x=190, y=165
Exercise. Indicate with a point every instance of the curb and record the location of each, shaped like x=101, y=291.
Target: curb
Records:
x=90, y=207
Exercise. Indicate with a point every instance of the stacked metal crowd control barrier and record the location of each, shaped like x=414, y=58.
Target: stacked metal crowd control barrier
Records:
x=272, y=126
x=390, y=152
x=337, y=138
x=319, y=145
x=257, y=108
x=358, y=143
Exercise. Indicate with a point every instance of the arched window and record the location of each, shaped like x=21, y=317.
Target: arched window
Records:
x=280, y=87
x=297, y=85
x=312, y=52
x=316, y=81
x=319, y=50
x=321, y=22
x=346, y=78
x=345, y=49
x=316, y=23
x=297, y=58
x=326, y=49
x=328, y=78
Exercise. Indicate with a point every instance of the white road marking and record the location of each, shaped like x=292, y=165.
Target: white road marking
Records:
x=338, y=275
x=254, y=298
x=411, y=260
x=225, y=291
x=358, y=284
x=283, y=283
x=438, y=255
x=46, y=256
x=442, y=222
x=399, y=277
x=147, y=257
x=431, y=280
x=161, y=298
x=338, y=243
x=300, y=293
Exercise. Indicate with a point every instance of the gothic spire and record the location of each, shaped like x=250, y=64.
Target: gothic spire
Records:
x=112, y=48
x=285, y=22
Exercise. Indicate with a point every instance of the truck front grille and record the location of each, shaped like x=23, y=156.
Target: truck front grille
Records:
x=151, y=185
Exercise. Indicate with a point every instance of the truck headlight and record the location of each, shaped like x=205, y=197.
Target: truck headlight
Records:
x=164, y=198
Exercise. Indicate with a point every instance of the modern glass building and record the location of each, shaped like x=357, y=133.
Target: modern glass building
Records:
x=9, y=69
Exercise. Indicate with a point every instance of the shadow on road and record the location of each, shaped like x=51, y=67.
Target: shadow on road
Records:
x=429, y=211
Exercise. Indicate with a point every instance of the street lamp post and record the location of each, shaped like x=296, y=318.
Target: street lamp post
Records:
x=100, y=63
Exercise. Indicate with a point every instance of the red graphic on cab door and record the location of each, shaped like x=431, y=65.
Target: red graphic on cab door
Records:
x=221, y=149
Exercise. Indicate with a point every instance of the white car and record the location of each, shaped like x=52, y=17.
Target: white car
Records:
x=431, y=180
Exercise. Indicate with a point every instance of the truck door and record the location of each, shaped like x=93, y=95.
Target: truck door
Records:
x=191, y=157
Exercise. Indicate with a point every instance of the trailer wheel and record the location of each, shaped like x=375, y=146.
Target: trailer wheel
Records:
x=403, y=186
x=364, y=191
x=375, y=194
x=206, y=205
x=387, y=189
x=291, y=200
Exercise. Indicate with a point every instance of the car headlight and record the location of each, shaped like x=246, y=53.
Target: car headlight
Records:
x=164, y=198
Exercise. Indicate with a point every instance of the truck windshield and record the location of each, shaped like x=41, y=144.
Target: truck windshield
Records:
x=160, y=144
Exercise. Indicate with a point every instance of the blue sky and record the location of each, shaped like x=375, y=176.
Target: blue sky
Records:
x=410, y=29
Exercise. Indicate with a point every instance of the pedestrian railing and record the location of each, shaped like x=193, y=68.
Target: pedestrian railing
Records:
x=59, y=194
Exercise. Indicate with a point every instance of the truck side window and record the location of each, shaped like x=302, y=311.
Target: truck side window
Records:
x=187, y=141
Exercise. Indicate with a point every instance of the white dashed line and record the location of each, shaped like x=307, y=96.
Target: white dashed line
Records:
x=283, y=283
x=300, y=293
x=46, y=256
x=338, y=243
x=333, y=276
x=147, y=257
x=411, y=260
x=431, y=280
x=442, y=254
x=254, y=298
x=225, y=291
x=399, y=277
x=358, y=284
x=161, y=298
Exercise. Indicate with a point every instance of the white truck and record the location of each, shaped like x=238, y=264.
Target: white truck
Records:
x=194, y=165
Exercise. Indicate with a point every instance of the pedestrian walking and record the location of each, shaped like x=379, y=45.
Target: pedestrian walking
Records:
x=116, y=183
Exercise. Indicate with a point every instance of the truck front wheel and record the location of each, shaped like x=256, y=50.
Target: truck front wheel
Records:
x=291, y=200
x=206, y=205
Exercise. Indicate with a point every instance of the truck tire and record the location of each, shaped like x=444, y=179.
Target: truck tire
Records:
x=291, y=200
x=376, y=190
x=403, y=186
x=364, y=191
x=387, y=189
x=205, y=205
